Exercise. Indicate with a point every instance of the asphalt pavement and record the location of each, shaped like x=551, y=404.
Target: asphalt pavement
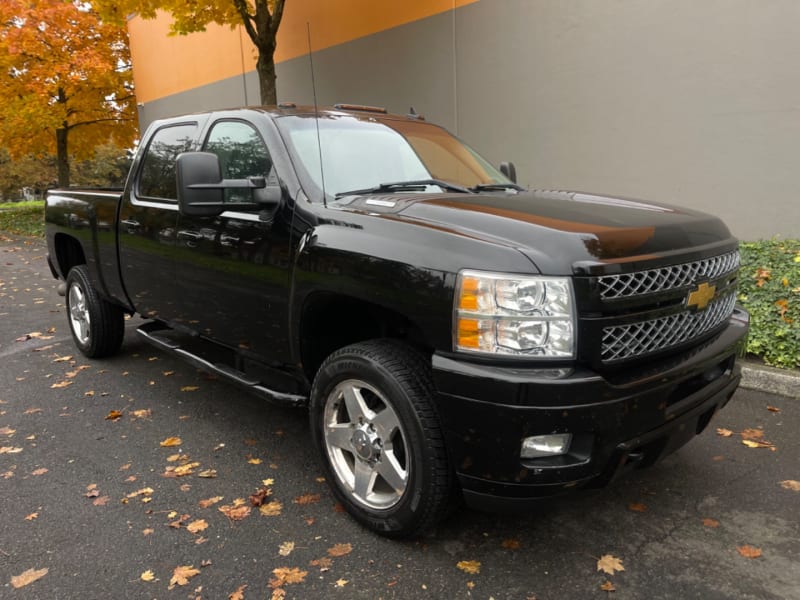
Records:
x=132, y=478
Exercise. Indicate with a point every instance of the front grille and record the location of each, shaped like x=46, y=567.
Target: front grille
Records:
x=667, y=278
x=646, y=337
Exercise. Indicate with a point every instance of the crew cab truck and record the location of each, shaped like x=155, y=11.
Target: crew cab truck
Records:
x=452, y=334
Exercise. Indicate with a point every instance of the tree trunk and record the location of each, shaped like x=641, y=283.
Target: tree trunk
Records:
x=62, y=158
x=266, y=75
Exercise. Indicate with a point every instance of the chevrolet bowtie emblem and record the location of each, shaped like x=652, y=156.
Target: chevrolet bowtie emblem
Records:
x=700, y=297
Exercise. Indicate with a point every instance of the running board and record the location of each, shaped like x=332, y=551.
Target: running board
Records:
x=149, y=331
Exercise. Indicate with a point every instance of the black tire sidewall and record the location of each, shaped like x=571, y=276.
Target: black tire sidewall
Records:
x=106, y=321
x=410, y=513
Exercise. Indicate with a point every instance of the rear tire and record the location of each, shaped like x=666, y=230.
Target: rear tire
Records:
x=375, y=427
x=97, y=326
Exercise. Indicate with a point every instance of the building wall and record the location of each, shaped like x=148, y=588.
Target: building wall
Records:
x=692, y=103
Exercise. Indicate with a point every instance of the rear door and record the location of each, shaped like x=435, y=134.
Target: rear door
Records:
x=234, y=267
x=148, y=220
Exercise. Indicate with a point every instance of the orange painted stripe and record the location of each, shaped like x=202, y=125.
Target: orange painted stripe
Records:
x=165, y=65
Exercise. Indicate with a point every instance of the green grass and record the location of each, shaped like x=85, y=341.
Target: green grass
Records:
x=23, y=218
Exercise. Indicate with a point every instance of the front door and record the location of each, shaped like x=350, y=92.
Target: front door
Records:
x=235, y=267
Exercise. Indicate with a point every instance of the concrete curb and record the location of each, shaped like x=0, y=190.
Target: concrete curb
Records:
x=759, y=377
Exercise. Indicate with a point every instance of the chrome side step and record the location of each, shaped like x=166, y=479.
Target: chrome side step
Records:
x=150, y=331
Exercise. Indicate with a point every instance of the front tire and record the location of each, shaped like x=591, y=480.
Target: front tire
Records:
x=374, y=424
x=97, y=326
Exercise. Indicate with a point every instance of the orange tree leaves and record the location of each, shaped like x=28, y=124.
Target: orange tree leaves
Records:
x=69, y=87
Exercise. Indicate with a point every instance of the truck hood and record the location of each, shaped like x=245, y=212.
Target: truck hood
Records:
x=563, y=232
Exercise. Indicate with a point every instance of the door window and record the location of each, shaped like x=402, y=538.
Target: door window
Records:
x=157, y=175
x=242, y=154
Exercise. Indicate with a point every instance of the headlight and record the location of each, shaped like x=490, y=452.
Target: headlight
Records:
x=519, y=315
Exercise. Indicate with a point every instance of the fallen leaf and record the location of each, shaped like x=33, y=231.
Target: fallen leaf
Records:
x=470, y=585
x=148, y=531
x=32, y=411
x=285, y=549
x=254, y=461
x=749, y=551
x=209, y=501
x=608, y=587
x=287, y=576
x=144, y=413
x=32, y=516
x=724, y=432
x=774, y=409
x=114, y=415
x=100, y=501
x=197, y=526
x=61, y=384
x=171, y=441
x=235, y=513
x=208, y=474
x=754, y=444
x=712, y=523
x=472, y=567
x=271, y=509
x=182, y=574
x=324, y=563
x=511, y=544
x=790, y=484
x=28, y=577
x=190, y=388
x=147, y=576
x=609, y=564
x=340, y=550
x=637, y=507
x=238, y=594
x=341, y=583
x=7, y=431
x=63, y=359
x=10, y=450
x=307, y=499
x=278, y=594
x=40, y=471
x=258, y=498
x=752, y=434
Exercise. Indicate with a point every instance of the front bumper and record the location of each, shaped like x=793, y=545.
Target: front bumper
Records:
x=631, y=418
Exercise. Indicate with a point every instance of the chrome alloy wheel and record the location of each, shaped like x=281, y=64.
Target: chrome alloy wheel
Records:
x=79, y=314
x=366, y=444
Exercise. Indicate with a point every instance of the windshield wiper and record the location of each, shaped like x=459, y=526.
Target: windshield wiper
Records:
x=483, y=187
x=407, y=186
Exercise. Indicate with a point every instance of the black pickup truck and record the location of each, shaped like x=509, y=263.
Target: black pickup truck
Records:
x=452, y=334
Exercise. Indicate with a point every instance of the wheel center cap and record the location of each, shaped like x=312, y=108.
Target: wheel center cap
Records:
x=362, y=445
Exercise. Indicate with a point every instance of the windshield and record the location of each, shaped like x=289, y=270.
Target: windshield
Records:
x=362, y=153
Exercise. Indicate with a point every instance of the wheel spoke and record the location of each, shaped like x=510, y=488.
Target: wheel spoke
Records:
x=391, y=471
x=339, y=436
x=364, y=479
x=386, y=423
x=357, y=409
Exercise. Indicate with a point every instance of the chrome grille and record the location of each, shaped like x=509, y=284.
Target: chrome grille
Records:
x=666, y=278
x=639, y=339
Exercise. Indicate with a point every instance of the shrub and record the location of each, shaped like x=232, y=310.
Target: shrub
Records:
x=769, y=287
x=23, y=218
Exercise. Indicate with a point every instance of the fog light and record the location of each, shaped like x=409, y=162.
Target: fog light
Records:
x=546, y=445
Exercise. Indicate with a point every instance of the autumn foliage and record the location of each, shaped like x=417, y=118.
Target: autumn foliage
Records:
x=65, y=80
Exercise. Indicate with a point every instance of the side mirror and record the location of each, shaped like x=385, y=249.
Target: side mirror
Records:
x=509, y=170
x=201, y=188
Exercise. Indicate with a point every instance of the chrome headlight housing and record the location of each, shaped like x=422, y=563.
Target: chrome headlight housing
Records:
x=514, y=315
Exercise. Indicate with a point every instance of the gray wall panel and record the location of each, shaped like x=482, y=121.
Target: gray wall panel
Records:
x=693, y=103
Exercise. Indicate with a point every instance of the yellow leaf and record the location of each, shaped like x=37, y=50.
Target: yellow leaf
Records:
x=171, y=441
x=754, y=444
x=254, y=461
x=182, y=574
x=609, y=564
x=340, y=550
x=472, y=567
x=285, y=549
x=28, y=577
x=147, y=575
x=790, y=484
x=208, y=473
x=238, y=594
x=724, y=432
x=197, y=526
x=10, y=450
x=287, y=576
x=271, y=509
x=61, y=384
x=63, y=358
x=341, y=582
x=190, y=388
